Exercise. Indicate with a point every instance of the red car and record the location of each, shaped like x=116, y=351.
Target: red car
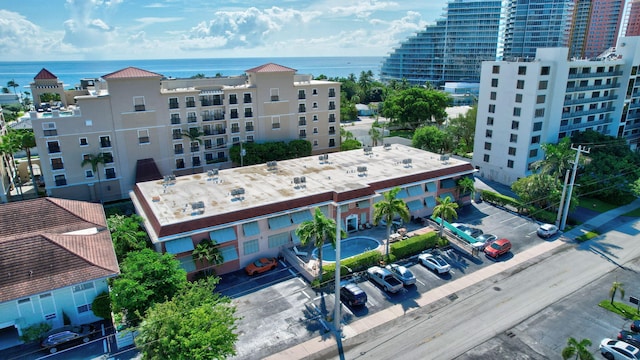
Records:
x=261, y=265
x=497, y=248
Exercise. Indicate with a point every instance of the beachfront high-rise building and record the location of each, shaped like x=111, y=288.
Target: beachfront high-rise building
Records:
x=596, y=24
x=452, y=49
x=526, y=103
x=533, y=24
x=135, y=125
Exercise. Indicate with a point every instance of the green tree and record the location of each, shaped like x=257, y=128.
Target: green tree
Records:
x=207, y=253
x=578, y=349
x=318, y=231
x=466, y=185
x=432, y=139
x=14, y=85
x=462, y=128
x=416, y=106
x=616, y=287
x=95, y=160
x=351, y=144
x=558, y=158
x=146, y=278
x=101, y=305
x=345, y=134
x=375, y=135
x=8, y=147
x=388, y=209
x=25, y=140
x=445, y=210
x=127, y=234
x=197, y=323
x=198, y=76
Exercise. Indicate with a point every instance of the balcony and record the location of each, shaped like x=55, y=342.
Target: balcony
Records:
x=174, y=105
x=332, y=132
x=190, y=103
x=302, y=109
x=595, y=74
x=302, y=96
x=590, y=100
x=593, y=87
x=218, y=117
x=216, y=160
x=195, y=149
x=302, y=123
x=179, y=151
x=192, y=119
x=249, y=128
x=136, y=108
x=175, y=120
x=584, y=125
x=235, y=130
x=587, y=112
x=275, y=98
x=248, y=114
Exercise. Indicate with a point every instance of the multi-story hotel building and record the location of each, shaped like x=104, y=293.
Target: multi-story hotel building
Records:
x=596, y=24
x=254, y=211
x=139, y=121
x=523, y=104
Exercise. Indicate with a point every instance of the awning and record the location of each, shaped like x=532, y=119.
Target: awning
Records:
x=447, y=194
x=431, y=187
x=415, y=205
x=178, y=246
x=279, y=222
x=223, y=235
x=278, y=240
x=447, y=184
x=301, y=216
x=229, y=253
x=415, y=190
x=325, y=210
x=364, y=204
x=251, y=229
x=430, y=201
x=294, y=237
x=402, y=194
x=187, y=264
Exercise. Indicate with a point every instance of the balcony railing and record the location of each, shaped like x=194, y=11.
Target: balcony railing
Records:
x=275, y=98
x=178, y=151
x=61, y=182
x=589, y=100
x=249, y=128
x=248, y=114
x=195, y=149
x=136, y=108
x=105, y=144
x=190, y=104
x=192, y=119
x=302, y=123
x=595, y=74
x=216, y=160
x=332, y=93
x=593, y=87
x=587, y=112
x=57, y=166
x=174, y=105
x=247, y=99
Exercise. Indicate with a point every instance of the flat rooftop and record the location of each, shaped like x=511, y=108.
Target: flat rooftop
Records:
x=189, y=197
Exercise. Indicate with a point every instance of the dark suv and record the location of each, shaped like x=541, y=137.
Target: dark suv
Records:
x=352, y=295
x=63, y=340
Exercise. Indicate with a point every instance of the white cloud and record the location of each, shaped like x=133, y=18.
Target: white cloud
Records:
x=157, y=20
x=361, y=9
x=86, y=30
x=19, y=37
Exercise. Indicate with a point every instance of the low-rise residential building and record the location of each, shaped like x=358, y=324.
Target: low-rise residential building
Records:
x=254, y=211
x=56, y=257
x=143, y=125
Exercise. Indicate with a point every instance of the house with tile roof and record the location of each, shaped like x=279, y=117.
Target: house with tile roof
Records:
x=55, y=258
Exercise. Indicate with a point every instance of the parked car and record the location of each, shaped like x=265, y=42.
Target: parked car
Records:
x=63, y=340
x=434, y=262
x=484, y=240
x=471, y=231
x=630, y=337
x=384, y=278
x=395, y=222
x=402, y=273
x=618, y=350
x=352, y=295
x=635, y=326
x=497, y=248
x=261, y=265
x=547, y=230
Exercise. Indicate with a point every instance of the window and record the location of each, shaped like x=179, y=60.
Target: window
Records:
x=88, y=123
x=248, y=112
x=315, y=142
x=518, y=98
x=332, y=105
x=235, y=128
x=512, y=150
x=84, y=308
x=510, y=164
x=314, y=92
x=60, y=180
x=493, y=95
x=138, y=103
x=49, y=129
x=494, y=82
x=513, y=138
x=332, y=118
x=173, y=103
x=301, y=95
x=84, y=142
x=275, y=94
x=56, y=164
x=251, y=247
x=522, y=70
x=315, y=105
x=247, y=98
x=486, y=158
x=110, y=173
x=108, y=157
x=492, y=108
x=175, y=119
x=176, y=134
x=143, y=136
x=195, y=146
x=539, y=113
x=315, y=130
x=545, y=70
x=533, y=153
x=332, y=130
x=520, y=84
x=248, y=126
x=302, y=121
x=332, y=92
x=332, y=142
x=234, y=113
x=24, y=301
x=88, y=174
x=542, y=85
x=489, y=120
x=535, y=139
x=53, y=147
x=537, y=126
x=190, y=101
x=302, y=134
x=302, y=108
x=496, y=69
x=195, y=161
x=540, y=99
x=233, y=99
x=83, y=287
x=275, y=122
x=515, y=125
x=516, y=111
x=105, y=141
x=179, y=163
x=488, y=133
x=487, y=146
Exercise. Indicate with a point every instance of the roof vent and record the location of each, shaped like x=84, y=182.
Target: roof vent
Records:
x=272, y=165
x=197, y=208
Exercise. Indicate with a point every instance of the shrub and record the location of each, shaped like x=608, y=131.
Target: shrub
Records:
x=101, y=305
x=413, y=245
x=356, y=263
x=35, y=332
x=586, y=236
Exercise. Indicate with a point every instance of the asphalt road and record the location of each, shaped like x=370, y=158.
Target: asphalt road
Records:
x=466, y=327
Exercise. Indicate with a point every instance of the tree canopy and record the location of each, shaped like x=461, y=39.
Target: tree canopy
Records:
x=387, y=209
x=462, y=130
x=431, y=138
x=317, y=231
x=416, y=106
x=196, y=323
x=127, y=234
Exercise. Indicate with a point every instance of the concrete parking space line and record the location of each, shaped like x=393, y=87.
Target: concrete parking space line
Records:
x=302, y=281
x=508, y=219
x=421, y=283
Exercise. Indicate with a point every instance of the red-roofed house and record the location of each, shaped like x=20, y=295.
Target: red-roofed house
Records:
x=55, y=258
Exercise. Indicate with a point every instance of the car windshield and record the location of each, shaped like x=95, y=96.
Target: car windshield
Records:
x=407, y=273
x=496, y=246
x=258, y=263
x=440, y=261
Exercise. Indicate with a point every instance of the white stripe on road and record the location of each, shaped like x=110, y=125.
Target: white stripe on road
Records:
x=292, y=273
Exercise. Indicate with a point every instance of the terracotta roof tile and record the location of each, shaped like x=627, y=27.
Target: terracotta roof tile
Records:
x=44, y=74
x=271, y=67
x=131, y=72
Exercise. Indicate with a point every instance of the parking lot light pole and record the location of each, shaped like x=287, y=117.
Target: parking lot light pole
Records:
x=336, y=315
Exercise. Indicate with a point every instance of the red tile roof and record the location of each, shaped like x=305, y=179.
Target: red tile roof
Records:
x=44, y=74
x=131, y=72
x=39, y=252
x=270, y=67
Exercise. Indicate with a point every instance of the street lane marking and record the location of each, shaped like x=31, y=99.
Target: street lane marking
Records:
x=420, y=282
x=511, y=218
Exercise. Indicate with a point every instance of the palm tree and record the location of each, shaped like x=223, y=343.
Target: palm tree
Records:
x=387, y=209
x=466, y=185
x=194, y=135
x=579, y=349
x=94, y=160
x=446, y=210
x=346, y=134
x=14, y=85
x=207, y=253
x=24, y=139
x=318, y=230
x=615, y=287
x=7, y=149
x=375, y=135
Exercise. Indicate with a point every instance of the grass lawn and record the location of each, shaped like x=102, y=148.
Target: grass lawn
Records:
x=596, y=204
x=633, y=213
x=624, y=310
x=407, y=134
x=587, y=236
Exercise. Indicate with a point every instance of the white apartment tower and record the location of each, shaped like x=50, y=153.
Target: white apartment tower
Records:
x=523, y=104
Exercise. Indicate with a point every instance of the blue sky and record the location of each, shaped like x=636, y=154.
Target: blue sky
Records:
x=163, y=29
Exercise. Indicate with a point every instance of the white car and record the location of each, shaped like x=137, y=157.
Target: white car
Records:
x=547, y=230
x=483, y=241
x=434, y=262
x=402, y=273
x=613, y=349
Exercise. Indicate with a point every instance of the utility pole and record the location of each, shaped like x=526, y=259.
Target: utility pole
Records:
x=579, y=149
x=242, y=153
x=564, y=192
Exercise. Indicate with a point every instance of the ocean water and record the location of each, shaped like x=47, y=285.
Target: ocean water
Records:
x=70, y=72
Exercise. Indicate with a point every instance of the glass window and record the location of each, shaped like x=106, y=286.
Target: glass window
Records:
x=542, y=85
x=518, y=98
x=489, y=120
x=487, y=146
x=493, y=95
x=494, y=82
x=520, y=84
x=537, y=126
x=486, y=158
x=251, y=247
x=515, y=125
x=510, y=164
x=512, y=150
x=488, y=133
x=522, y=70
x=545, y=70
x=496, y=69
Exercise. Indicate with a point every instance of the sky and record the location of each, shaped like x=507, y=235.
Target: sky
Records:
x=37, y=30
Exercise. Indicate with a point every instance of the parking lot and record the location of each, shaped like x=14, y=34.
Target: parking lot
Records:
x=279, y=309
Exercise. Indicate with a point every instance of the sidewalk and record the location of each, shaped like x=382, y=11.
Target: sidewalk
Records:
x=322, y=344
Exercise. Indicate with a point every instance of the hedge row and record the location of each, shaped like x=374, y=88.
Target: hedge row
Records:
x=503, y=200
